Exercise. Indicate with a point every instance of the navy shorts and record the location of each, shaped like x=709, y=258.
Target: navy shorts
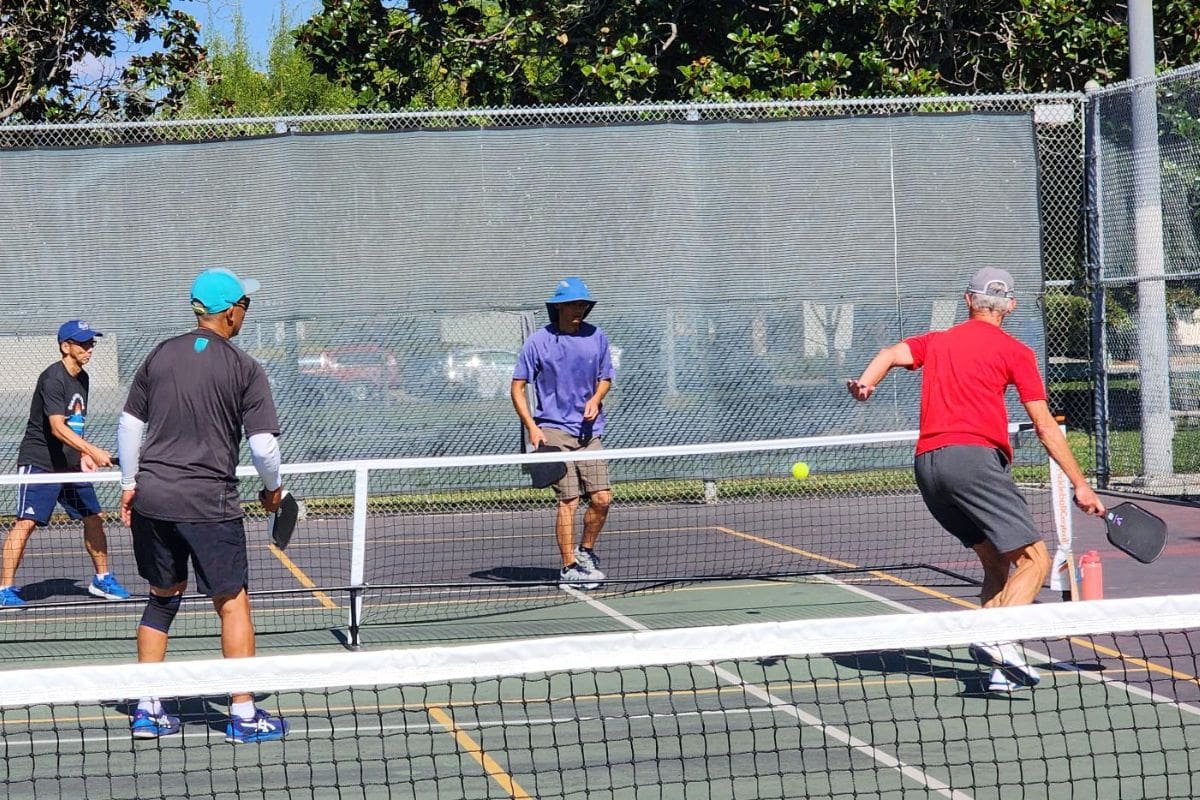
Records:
x=217, y=551
x=36, y=501
x=971, y=493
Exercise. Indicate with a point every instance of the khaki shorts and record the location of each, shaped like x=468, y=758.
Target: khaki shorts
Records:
x=583, y=477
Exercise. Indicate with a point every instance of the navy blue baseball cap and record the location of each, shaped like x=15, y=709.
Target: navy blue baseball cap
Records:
x=216, y=289
x=77, y=330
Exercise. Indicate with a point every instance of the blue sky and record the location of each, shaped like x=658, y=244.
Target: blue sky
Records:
x=260, y=17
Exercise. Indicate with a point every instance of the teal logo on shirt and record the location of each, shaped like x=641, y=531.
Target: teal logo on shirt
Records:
x=200, y=344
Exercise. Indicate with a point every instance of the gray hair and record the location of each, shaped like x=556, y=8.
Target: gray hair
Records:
x=989, y=302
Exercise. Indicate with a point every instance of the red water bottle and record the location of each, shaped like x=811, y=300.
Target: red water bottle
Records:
x=1091, y=576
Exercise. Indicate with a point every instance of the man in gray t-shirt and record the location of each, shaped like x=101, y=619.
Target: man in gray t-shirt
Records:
x=178, y=442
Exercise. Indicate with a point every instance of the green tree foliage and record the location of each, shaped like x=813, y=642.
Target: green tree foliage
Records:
x=520, y=52
x=232, y=84
x=43, y=43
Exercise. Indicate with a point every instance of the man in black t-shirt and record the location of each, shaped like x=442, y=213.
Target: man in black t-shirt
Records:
x=178, y=441
x=54, y=442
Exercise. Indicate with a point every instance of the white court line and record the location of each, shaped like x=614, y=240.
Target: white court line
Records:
x=837, y=734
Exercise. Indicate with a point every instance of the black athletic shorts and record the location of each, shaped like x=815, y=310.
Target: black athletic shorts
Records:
x=217, y=551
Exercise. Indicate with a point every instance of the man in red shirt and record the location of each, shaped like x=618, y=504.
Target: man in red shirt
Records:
x=963, y=458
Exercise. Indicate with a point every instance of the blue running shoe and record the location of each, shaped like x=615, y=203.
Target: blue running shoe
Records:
x=263, y=728
x=145, y=725
x=107, y=587
x=11, y=596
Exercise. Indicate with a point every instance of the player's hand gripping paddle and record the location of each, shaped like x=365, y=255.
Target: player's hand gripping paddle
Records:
x=1135, y=531
x=546, y=473
x=281, y=523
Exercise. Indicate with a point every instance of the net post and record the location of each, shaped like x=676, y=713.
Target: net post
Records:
x=1061, y=497
x=358, y=556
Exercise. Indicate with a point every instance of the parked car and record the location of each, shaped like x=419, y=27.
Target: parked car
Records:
x=366, y=370
x=480, y=372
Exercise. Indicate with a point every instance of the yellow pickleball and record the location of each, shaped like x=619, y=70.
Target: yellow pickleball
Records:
x=799, y=470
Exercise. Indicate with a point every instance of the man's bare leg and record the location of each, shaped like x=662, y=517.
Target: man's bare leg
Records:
x=594, y=518
x=564, y=530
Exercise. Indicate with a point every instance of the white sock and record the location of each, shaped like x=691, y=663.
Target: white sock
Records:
x=151, y=706
x=102, y=575
x=244, y=710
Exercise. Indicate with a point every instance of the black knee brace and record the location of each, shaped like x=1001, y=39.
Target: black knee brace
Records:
x=160, y=611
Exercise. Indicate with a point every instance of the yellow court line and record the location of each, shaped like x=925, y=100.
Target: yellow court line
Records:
x=507, y=782
x=887, y=576
x=958, y=601
x=299, y=575
x=1148, y=665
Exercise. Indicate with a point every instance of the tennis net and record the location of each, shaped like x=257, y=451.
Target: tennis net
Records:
x=889, y=706
x=406, y=541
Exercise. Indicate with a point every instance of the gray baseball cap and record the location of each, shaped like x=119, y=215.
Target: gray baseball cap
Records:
x=991, y=281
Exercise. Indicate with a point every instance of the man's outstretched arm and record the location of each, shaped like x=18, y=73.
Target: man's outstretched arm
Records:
x=897, y=355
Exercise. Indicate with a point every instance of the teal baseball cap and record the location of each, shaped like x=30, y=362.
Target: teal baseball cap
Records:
x=216, y=289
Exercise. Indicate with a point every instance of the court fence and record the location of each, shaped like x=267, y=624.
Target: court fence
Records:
x=379, y=238
x=1143, y=224
x=702, y=360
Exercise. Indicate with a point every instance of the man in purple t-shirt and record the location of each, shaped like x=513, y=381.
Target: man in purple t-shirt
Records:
x=569, y=365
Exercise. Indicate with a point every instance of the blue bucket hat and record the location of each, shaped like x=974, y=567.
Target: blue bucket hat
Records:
x=77, y=330
x=216, y=289
x=569, y=290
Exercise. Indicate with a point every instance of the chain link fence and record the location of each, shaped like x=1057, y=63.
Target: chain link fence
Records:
x=1144, y=235
x=1063, y=301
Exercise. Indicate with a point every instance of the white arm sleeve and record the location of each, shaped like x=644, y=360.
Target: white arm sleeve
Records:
x=129, y=447
x=264, y=452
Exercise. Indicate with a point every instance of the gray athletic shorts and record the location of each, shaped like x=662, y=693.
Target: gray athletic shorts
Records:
x=583, y=477
x=971, y=493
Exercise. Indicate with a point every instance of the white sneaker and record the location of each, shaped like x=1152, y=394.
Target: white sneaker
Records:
x=1007, y=657
x=999, y=683
x=579, y=577
x=587, y=559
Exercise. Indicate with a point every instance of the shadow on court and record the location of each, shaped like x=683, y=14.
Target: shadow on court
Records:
x=60, y=588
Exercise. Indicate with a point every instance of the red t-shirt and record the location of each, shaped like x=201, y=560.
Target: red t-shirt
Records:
x=967, y=370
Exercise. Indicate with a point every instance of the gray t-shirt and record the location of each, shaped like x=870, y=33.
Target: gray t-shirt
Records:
x=196, y=393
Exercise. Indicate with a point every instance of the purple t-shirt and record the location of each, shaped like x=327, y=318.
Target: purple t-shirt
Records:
x=564, y=369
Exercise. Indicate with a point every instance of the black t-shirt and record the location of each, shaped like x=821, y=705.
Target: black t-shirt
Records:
x=58, y=392
x=196, y=393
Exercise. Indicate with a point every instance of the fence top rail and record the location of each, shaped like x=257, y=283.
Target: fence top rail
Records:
x=1137, y=83
x=470, y=114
